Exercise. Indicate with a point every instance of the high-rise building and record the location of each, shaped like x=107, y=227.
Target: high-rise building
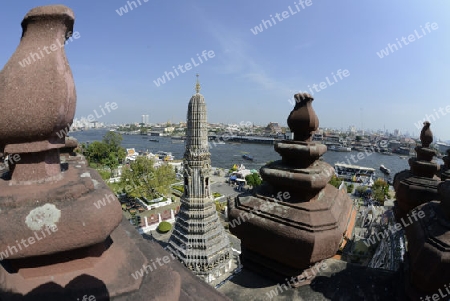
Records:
x=145, y=119
x=199, y=239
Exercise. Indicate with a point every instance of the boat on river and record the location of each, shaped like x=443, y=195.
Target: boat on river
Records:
x=340, y=148
x=355, y=173
x=247, y=157
x=385, y=170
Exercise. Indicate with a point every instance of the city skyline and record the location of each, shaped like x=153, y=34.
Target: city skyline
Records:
x=253, y=57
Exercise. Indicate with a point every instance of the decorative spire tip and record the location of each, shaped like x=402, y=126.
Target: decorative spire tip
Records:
x=197, y=85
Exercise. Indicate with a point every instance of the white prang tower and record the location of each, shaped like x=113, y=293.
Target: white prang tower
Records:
x=199, y=239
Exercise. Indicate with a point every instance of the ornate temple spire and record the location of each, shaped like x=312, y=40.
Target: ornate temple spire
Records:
x=199, y=239
x=197, y=85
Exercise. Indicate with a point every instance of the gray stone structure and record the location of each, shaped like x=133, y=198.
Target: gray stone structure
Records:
x=199, y=239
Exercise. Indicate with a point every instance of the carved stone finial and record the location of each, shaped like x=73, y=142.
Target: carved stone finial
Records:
x=303, y=121
x=51, y=98
x=426, y=135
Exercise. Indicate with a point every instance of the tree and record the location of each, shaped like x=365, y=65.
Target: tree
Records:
x=107, y=153
x=350, y=188
x=113, y=140
x=380, y=190
x=335, y=181
x=142, y=179
x=164, y=227
x=253, y=179
x=220, y=206
x=143, y=131
x=361, y=190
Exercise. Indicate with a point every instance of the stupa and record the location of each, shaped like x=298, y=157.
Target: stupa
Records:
x=445, y=171
x=295, y=218
x=429, y=250
x=199, y=239
x=55, y=244
x=419, y=184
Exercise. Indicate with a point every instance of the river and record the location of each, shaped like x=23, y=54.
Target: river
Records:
x=225, y=155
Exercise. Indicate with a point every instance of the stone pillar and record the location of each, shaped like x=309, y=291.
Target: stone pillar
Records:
x=295, y=219
x=419, y=184
x=429, y=249
x=445, y=172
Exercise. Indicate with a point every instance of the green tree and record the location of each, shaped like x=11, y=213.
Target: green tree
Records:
x=253, y=179
x=164, y=227
x=97, y=152
x=380, y=190
x=335, y=181
x=113, y=140
x=220, y=206
x=143, y=131
x=360, y=190
x=142, y=179
x=106, y=153
x=350, y=188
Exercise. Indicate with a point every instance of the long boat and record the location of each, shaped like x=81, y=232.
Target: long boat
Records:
x=354, y=173
x=247, y=157
x=384, y=169
x=340, y=148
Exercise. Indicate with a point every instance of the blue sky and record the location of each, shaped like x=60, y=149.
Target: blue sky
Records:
x=252, y=77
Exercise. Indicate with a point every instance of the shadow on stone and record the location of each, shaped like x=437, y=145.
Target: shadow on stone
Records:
x=83, y=285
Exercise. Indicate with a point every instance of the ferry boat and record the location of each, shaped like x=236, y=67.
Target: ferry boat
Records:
x=340, y=148
x=355, y=173
x=247, y=157
x=384, y=169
